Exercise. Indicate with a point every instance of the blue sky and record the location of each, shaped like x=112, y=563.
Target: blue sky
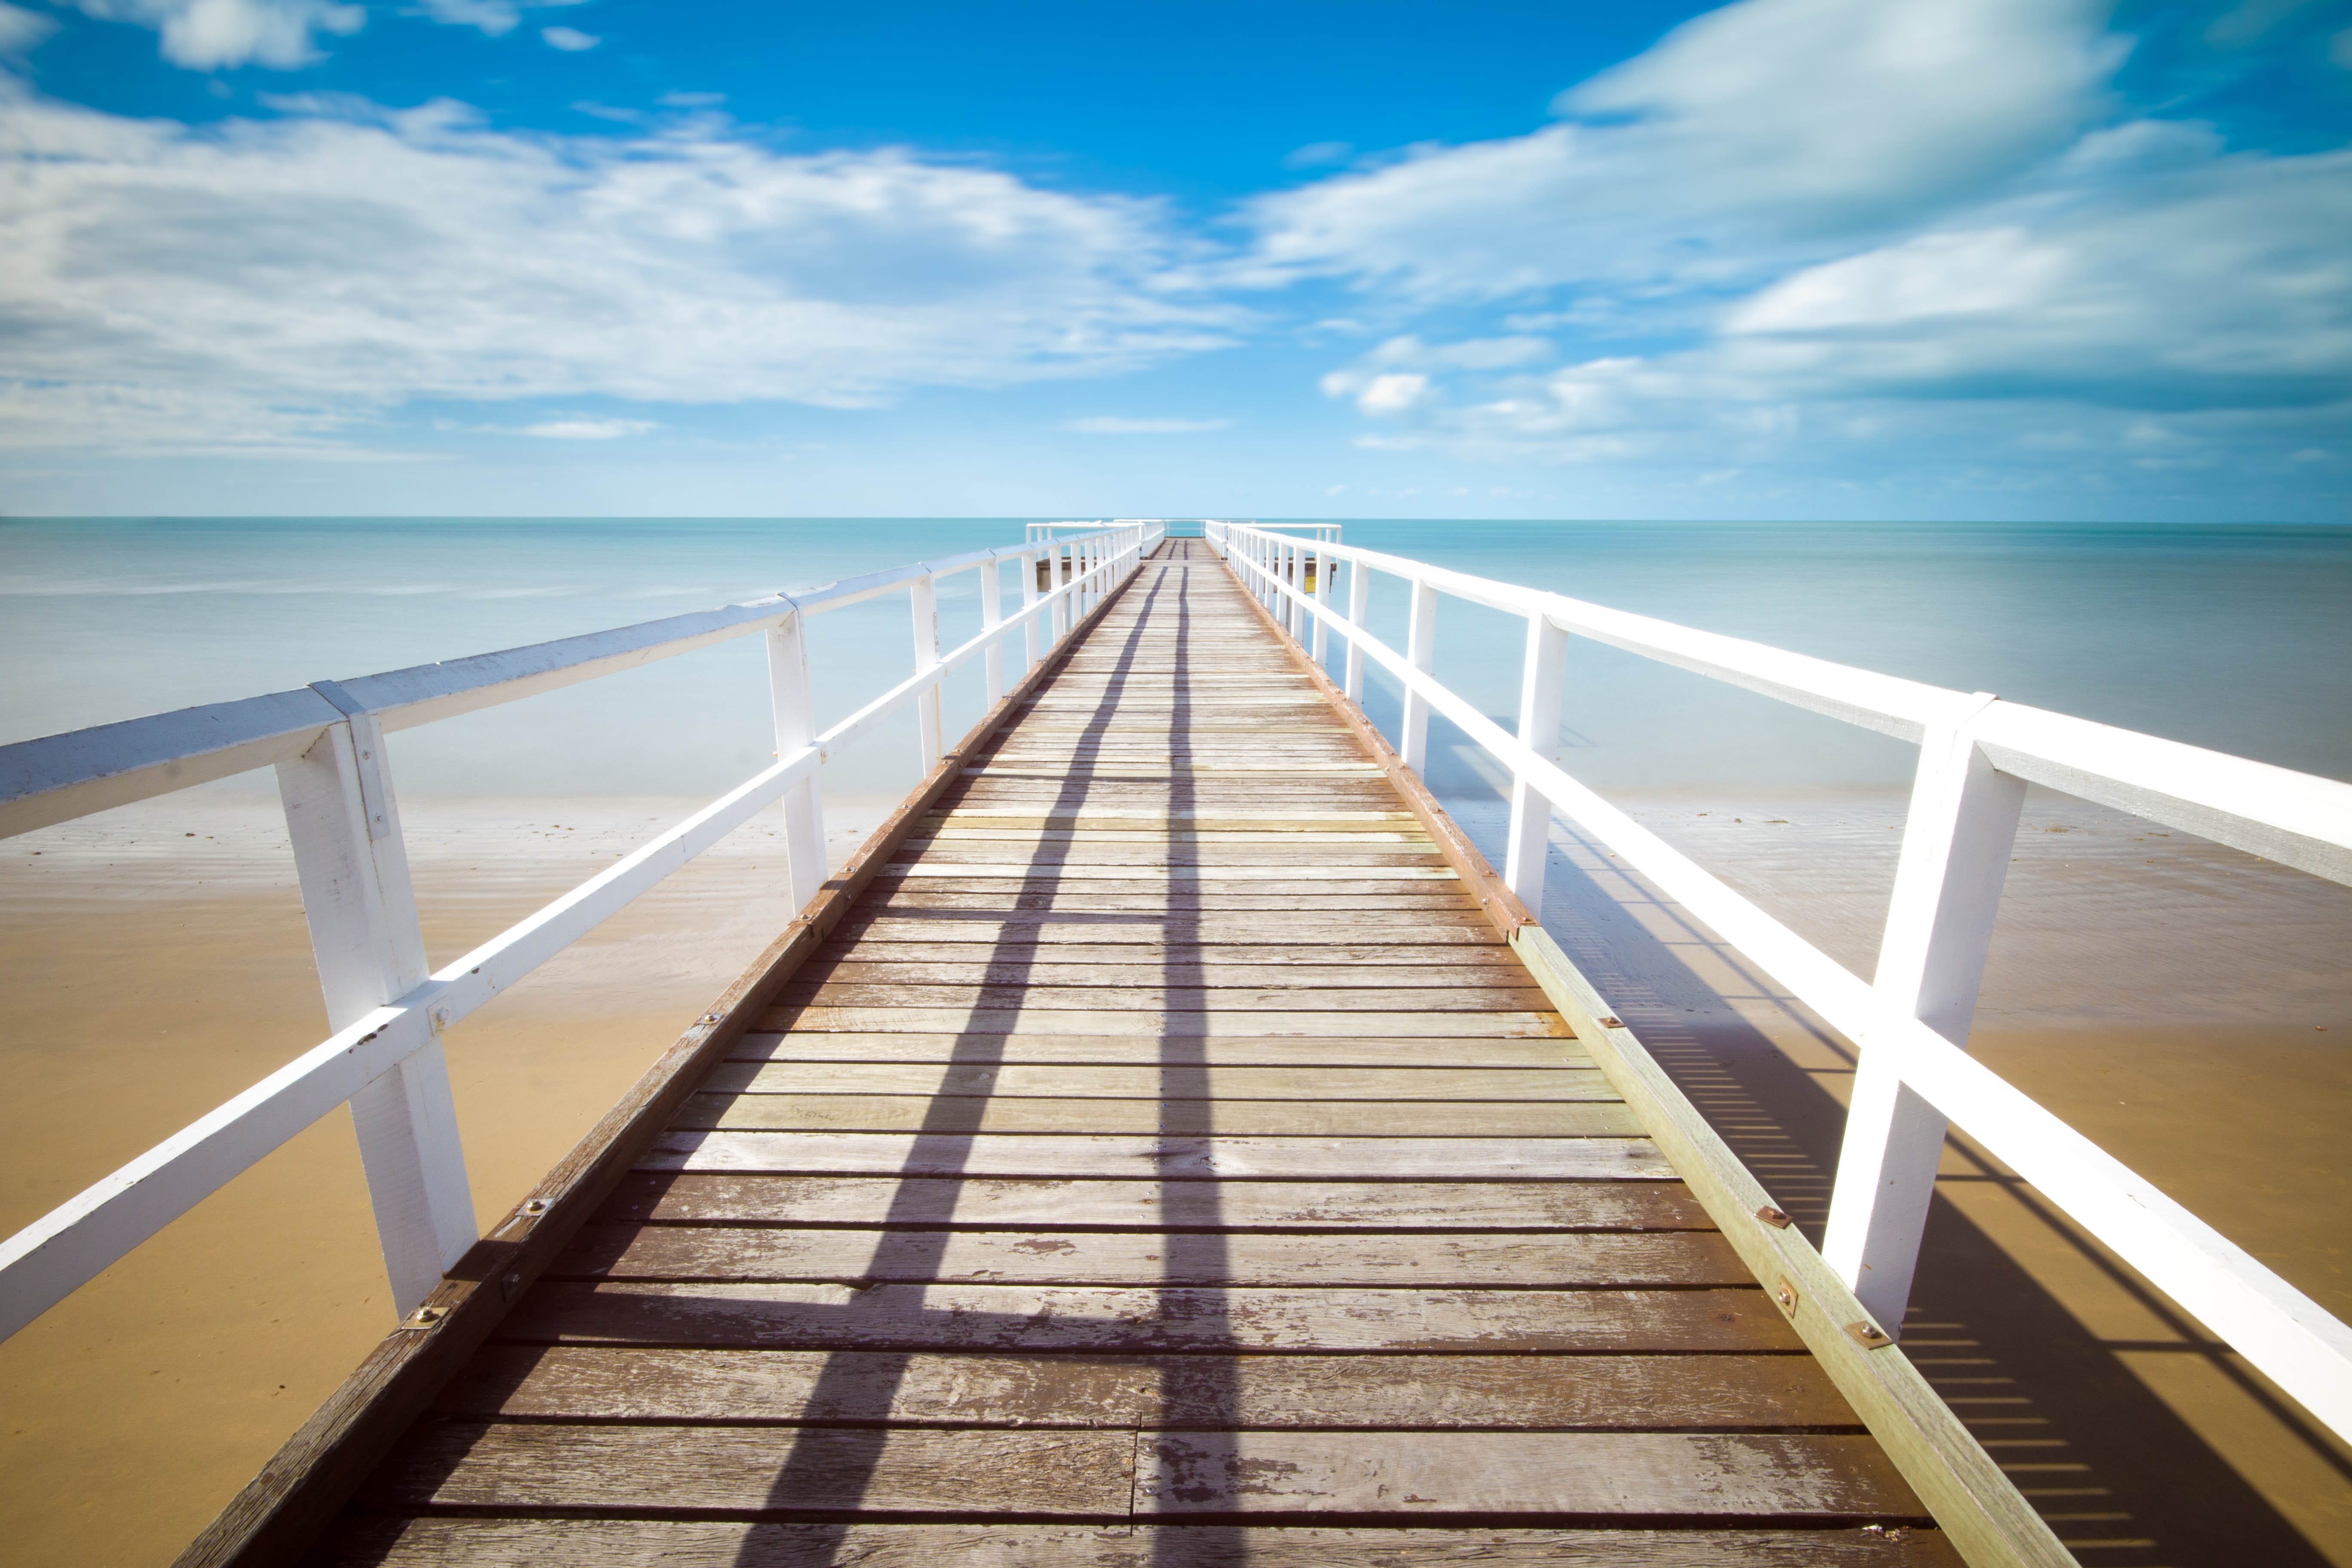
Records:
x=1809, y=258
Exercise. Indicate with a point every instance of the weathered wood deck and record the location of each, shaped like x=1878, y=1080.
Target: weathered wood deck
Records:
x=1164, y=1160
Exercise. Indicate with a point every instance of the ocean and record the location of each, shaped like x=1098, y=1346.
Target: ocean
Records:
x=2238, y=637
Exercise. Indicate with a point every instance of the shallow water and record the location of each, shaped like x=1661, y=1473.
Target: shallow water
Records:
x=2236, y=637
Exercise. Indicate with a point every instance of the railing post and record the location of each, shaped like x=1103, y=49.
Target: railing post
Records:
x=1541, y=682
x=992, y=615
x=1323, y=564
x=1028, y=597
x=1957, y=841
x=1360, y=598
x=1059, y=617
x=924, y=591
x=795, y=713
x=353, y=870
x=1419, y=646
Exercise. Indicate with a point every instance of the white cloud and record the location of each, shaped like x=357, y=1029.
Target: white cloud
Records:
x=1395, y=393
x=21, y=29
x=1764, y=126
x=494, y=18
x=589, y=429
x=1394, y=377
x=570, y=40
x=337, y=268
x=1318, y=155
x=1809, y=224
x=209, y=34
x=212, y=35
x=2223, y=284
x=1112, y=424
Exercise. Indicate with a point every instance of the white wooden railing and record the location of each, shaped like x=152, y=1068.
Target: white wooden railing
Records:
x=386, y=1011
x=1910, y=1021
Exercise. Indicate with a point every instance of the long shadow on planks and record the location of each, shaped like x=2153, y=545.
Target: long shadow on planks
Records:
x=1193, y=1210
x=837, y=1463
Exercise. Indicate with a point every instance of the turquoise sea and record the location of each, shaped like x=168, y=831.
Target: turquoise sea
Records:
x=2238, y=637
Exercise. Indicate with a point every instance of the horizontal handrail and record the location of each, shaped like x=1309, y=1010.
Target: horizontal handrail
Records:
x=60, y=777
x=2295, y=819
x=2301, y=820
x=55, y=1255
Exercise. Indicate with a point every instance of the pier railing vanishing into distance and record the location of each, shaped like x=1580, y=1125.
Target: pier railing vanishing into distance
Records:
x=387, y=1013
x=1910, y=1020
x=1843, y=1304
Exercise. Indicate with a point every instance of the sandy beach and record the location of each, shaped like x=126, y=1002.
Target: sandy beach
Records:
x=2187, y=1005
x=146, y=976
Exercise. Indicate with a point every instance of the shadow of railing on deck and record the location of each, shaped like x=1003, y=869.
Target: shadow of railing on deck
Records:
x=837, y=1461
x=2119, y=1475
x=1197, y=1248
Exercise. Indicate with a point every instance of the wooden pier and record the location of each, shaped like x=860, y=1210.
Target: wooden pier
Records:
x=1149, y=1151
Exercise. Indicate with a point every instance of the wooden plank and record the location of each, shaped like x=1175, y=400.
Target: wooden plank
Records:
x=1023, y=871
x=756, y=1470
x=1110, y=996
x=1268, y=1392
x=1433, y=912
x=442, y=1542
x=1816, y=1478
x=1252, y=743
x=964, y=1317
x=1812, y=1478
x=1361, y=1259
x=958, y=831
x=1040, y=1020
x=1174, y=1080
x=1249, y=819
x=1194, y=853
x=908, y=918
x=1220, y=797
x=1165, y=1159
x=1323, y=913
x=1040, y=1203
x=1078, y=1117
x=1224, y=795
x=1190, y=963
x=1462, y=1055
x=1179, y=756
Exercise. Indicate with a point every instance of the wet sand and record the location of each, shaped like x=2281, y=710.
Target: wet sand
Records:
x=146, y=976
x=2187, y=1006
